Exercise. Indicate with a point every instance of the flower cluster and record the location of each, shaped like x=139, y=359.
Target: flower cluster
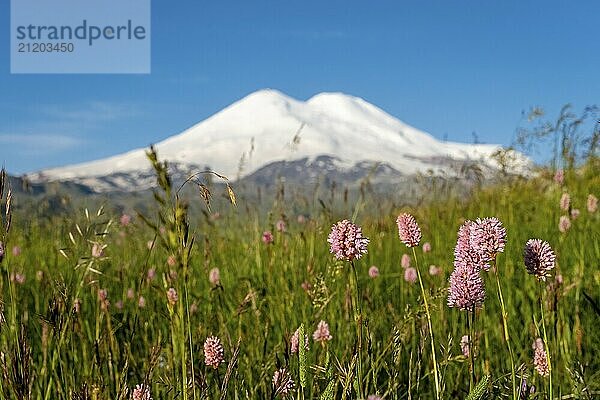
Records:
x=408, y=230
x=283, y=384
x=322, y=334
x=347, y=241
x=141, y=392
x=213, y=352
x=539, y=258
x=540, y=361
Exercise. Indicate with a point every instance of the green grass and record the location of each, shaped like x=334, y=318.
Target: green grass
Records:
x=99, y=353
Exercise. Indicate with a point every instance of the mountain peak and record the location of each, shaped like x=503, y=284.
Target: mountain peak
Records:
x=264, y=128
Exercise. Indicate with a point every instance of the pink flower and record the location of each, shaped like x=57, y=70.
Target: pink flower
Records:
x=172, y=296
x=575, y=213
x=213, y=352
x=405, y=261
x=434, y=270
x=119, y=305
x=374, y=397
x=539, y=258
x=267, y=237
x=592, y=203
x=564, y=224
x=130, y=294
x=487, y=237
x=565, y=201
x=141, y=302
x=151, y=274
x=347, y=241
x=280, y=226
x=214, y=276
x=540, y=360
x=426, y=247
x=373, y=271
x=306, y=286
x=16, y=251
x=171, y=261
x=125, y=219
x=410, y=275
x=321, y=334
x=141, y=392
x=559, y=176
x=294, y=340
x=408, y=230
x=19, y=278
x=282, y=383
x=467, y=290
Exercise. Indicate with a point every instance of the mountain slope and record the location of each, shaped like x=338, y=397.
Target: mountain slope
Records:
x=269, y=127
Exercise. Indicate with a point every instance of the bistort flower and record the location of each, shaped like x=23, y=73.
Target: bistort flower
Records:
x=213, y=352
x=346, y=241
x=539, y=258
x=408, y=230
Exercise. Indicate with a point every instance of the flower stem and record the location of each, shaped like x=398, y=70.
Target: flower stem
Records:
x=435, y=368
x=506, y=336
x=471, y=352
x=358, y=319
x=546, y=341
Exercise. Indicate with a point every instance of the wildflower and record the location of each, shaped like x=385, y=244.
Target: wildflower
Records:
x=565, y=201
x=125, y=219
x=294, y=341
x=16, y=251
x=97, y=250
x=410, y=275
x=347, y=241
x=540, y=361
x=408, y=230
x=575, y=213
x=306, y=286
x=592, y=203
x=322, y=332
x=465, y=253
x=151, y=274
x=280, y=226
x=141, y=392
x=564, y=224
x=405, y=261
x=526, y=390
x=467, y=290
x=267, y=237
x=464, y=345
x=434, y=270
x=282, y=383
x=214, y=276
x=130, y=293
x=539, y=258
x=487, y=237
x=172, y=296
x=373, y=271
x=374, y=397
x=19, y=278
x=426, y=247
x=141, y=302
x=213, y=352
x=171, y=261
x=559, y=176
x=103, y=297
x=119, y=305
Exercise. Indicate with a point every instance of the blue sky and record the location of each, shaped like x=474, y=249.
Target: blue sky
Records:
x=449, y=68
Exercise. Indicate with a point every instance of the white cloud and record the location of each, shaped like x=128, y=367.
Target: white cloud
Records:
x=37, y=144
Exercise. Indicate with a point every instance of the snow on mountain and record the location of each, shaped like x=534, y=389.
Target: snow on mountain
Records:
x=267, y=126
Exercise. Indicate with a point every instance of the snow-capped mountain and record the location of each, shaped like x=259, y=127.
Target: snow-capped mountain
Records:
x=268, y=127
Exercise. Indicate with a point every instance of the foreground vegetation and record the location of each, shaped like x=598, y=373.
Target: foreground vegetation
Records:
x=99, y=302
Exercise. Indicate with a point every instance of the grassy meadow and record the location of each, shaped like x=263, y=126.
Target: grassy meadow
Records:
x=87, y=311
